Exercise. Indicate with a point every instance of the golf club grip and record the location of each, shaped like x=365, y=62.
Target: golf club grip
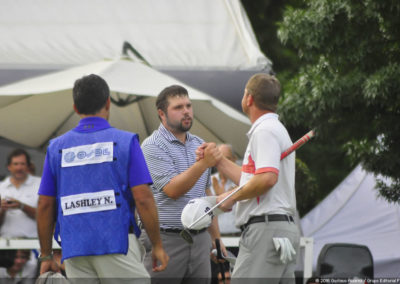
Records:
x=292, y=148
x=296, y=145
x=218, y=247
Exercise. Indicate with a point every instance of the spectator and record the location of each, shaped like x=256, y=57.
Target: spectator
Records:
x=22, y=272
x=32, y=168
x=220, y=184
x=19, y=198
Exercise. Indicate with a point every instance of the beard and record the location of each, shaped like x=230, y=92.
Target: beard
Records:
x=185, y=128
x=179, y=126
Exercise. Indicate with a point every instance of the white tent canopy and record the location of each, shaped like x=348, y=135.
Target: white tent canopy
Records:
x=207, y=44
x=44, y=105
x=182, y=34
x=353, y=213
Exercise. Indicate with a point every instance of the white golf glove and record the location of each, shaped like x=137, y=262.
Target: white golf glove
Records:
x=287, y=250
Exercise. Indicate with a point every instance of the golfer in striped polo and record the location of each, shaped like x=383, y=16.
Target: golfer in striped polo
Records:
x=178, y=178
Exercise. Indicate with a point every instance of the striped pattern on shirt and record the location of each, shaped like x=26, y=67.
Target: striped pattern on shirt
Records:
x=166, y=158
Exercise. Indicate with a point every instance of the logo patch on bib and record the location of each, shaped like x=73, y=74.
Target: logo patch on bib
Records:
x=87, y=154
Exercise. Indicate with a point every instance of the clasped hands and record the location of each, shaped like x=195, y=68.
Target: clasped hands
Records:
x=212, y=156
x=209, y=153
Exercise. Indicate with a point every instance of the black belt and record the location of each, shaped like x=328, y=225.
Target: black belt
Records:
x=177, y=231
x=270, y=218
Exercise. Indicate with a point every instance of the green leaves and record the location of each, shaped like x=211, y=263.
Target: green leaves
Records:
x=349, y=82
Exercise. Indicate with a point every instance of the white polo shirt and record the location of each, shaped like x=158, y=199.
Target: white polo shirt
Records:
x=268, y=138
x=16, y=223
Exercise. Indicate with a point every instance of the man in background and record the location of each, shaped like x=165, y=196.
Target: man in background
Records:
x=21, y=272
x=19, y=198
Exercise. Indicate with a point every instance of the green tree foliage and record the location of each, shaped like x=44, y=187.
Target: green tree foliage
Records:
x=349, y=82
x=306, y=188
x=264, y=16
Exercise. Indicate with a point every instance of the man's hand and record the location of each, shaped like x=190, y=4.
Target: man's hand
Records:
x=147, y=210
x=159, y=254
x=227, y=204
x=10, y=203
x=45, y=224
x=49, y=265
x=200, y=151
x=212, y=155
x=219, y=187
x=213, y=254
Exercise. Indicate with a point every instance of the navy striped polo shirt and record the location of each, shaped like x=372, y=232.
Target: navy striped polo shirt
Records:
x=166, y=158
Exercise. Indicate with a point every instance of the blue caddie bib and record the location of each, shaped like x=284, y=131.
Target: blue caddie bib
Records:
x=95, y=207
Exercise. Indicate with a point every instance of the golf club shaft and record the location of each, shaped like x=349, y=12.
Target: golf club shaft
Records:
x=296, y=145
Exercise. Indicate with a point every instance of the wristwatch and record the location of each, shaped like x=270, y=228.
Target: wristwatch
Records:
x=21, y=206
x=44, y=258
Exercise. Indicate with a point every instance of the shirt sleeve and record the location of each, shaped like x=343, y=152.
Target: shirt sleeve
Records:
x=138, y=170
x=48, y=184
x=161, y=165
x=266, y=152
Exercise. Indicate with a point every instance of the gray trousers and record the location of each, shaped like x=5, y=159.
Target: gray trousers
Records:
x=187, y=263
x=258, y=261
x=110, y=268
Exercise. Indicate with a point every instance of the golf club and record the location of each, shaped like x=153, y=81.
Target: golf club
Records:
x=185, y=234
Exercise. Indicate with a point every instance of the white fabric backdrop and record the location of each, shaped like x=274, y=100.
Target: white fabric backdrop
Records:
x=353, y=213
x=175, y=33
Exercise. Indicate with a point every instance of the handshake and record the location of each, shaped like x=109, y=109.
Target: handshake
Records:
x=209, y=154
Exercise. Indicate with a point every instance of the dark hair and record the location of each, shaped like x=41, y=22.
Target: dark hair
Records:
x=90, y=94
x=7, y=257
x=168, y=92
x=265, y=90
x=16, y=153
